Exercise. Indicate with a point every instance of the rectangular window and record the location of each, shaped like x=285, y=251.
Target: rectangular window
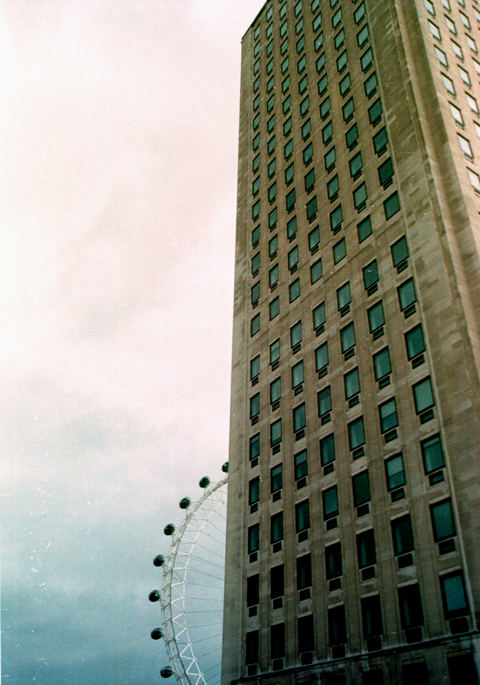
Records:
x=351, y=137
x=316, y=271
x=255, y=293
x=342, y=61
x=294, y=290
x=275, y=351
x=432, y=454
x=324, y=401
x=325, y=107
x=312, y=207
x=330, y=502
x=273, y=247
x=360, y=197
x=254, y=446
x=410, y=606
x=391, y=205
x=276, y=478
x=306, y=634
x=276, y=581
x=381, y=364
x=287, y=127
x=359, y=13
x=273, y=277
x=322, y=84
x=364, y=229
x=347, y=337
x=362, y=36
x=254, y=490
x=301, y=464
x=388, y=415
x=339, y=251
x=337, y=627
x=309, y=180
x=361, y=488
x=336, y=218
x=370, y=274
x=255, y=405
x=319, y=316
x=370, y=85
x=299, y=418
x=275, y=390
x=376, y=317
x=348, y=110
x=252, y=647
x=304, y=572
x=337, y=18
x=339, y=39
x=442, y=520
x=297, y=374
x=351, y=381
x=276, y=527
x=276, y=432
x=453, y=595
x=356, y=165
x=366, y=60
x=356, y=433
x=327, y=449
x=423, y=395
x=292, y=228
x=394, y=472
x=255, y=367
x=330, y=159
x=321, y=357
x=402, y=535
x=414, y=341
x=302, y=516
x=333, y=561
x=277, y=641
x=406, y=294
x=372, y=616
x=255, y=325
x=290, y=200
x=344, y=85
x=296, y=334
x=253, y=538
x=252, y=590
x=366, y=554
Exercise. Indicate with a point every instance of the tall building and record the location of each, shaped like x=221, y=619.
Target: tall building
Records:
x=354, y=488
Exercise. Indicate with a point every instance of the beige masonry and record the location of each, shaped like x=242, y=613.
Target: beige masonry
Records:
x=434, y=179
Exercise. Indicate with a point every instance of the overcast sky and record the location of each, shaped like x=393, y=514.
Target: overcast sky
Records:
x=117, y=215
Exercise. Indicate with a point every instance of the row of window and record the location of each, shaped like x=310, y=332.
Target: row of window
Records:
x=455, y=604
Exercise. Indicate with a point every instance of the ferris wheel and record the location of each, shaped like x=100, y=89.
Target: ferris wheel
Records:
x=191, y=594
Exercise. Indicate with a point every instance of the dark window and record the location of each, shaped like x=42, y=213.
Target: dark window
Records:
x=351, y=136
x=347, y=337
x=366, y=548
x=391, y=205
x=296, y=334
x=327, y=133
x=343, y=295
x=394, y=471
x=254, y=445
x=375, y=112
x=304, y=571
x=388, y=415
x=361, y=488
x=306, y=634
x=327, y=449
x=381, y=363
x=275, y=351
x=402, y=535
x=255, y=293
x=276, y=478
x=255, y=236
x=255, y=367
x=336, y=218
x=302, y=516
x=275, y=390
x=290, y=200
x=276, y=432
x=273, y=247
x=252, y=647
x=289, y=173
x=316, y=271
x=325, y=107
x=333, y=561
x=312, y=206
x=348, y=109
x=292, y=228
x=255, y=325
x=324, y=401
x=364, y=229
x=339, y=251
x=410, y=606
x=274, y=308
x=330, y=502
x=380, y=141
x=414, y=341
x=432, y=454
x=453, y=595
x=252, y=590
x=277, y=641
x=276, y=581
x=330, y=159
x=385, y=172
x=297, y=374
x=253, y=538
x=442, y=520
x=351, y=381
x=276, y=527
x=370, y=274
x=356, y=433
x=362, y=36
x=301, y=464
x=319, y=316
x=372, y=616
x=254, y=490
x=337, y=629
x=356, y=164
x=321, y=357
x=423, y=395
x=299, y=420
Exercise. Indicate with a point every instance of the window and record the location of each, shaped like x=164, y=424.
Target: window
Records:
x=385, y=173
x=361, y=488
x=376, y=317
x=362, y=36
x=344, y=85
x=276, y=581
x=272, y=166
x=347, y=337
x=364, y=229
x=276, y=478
x=275, y=351
x=406, y=294
x=286, y=84
x=301, y=464
x=441, y=56
x=339, y=39
x=286, y=104
x=255, y=325
x=359, y=13
x=327, y=449
x=380, y=141
x=308, y=154
x=351, y=137
x=299, y=26
x=273, y=246
x=348, y=109
x=464, y=75
x=337, y=627
x=256, y=163
x=302, y=87
x=471, y=43
x=336, y=218
x=255, y=367
x=333, y=186
x=254, y=446
x=414, y=341
x=453, y=595
x=337, y=18
x=366, y=60
x=255, y=293
x=381, y=364
x=297, y=374
x=275, y=390
x=316, y=271
x=252, y=590
x=423, y=395
x=472, y=175
x=375, y=112
x=252, y=647
x=465, y=20
x=410, y=606
x=448, y=83
x=432, y=454
x=294, y=290
x=256, y=121
x=256, y=210
x=370, y=85
x=298, y=8
x=330, y=502
x=314, y=239
x=325, y=107
x=442, y=520
x=434, y=30
x=324, y=398
x=342, y=61
x=270, y=66
x=429, y=7
x=320, y=63
x=311, y=210
x=290, y=200
x=388, y=415
x=402, y=535
x=465, y=146
x=333, y=561
x=306, y=129
x=366, y=554
x=301, y=64
x=300, y=44
x=351, y=381
x=399, y=251
x=306, y=634
x=322, y=84
x=304, y=106
x=321, y=357
x=274, y=308
x=273, y=276
x=302, y=516
x=296, y=334
x=254, y=490
x=356, y=164
x=309, y=180
x=304, y=571
x=394, y=472
x=318, y=42
x=287, y=126
x=360, y=197
x=457, y=50
x=276, y=432
x=276, y=527
x=356, y=433
x=299, y=420
x=472, y=103
x=255, y=405
x=327, y=133
x=371, y=616
x=330, y=159
x=272, y=192
x=292, y=228
x=339, y=251
x=253, y=538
